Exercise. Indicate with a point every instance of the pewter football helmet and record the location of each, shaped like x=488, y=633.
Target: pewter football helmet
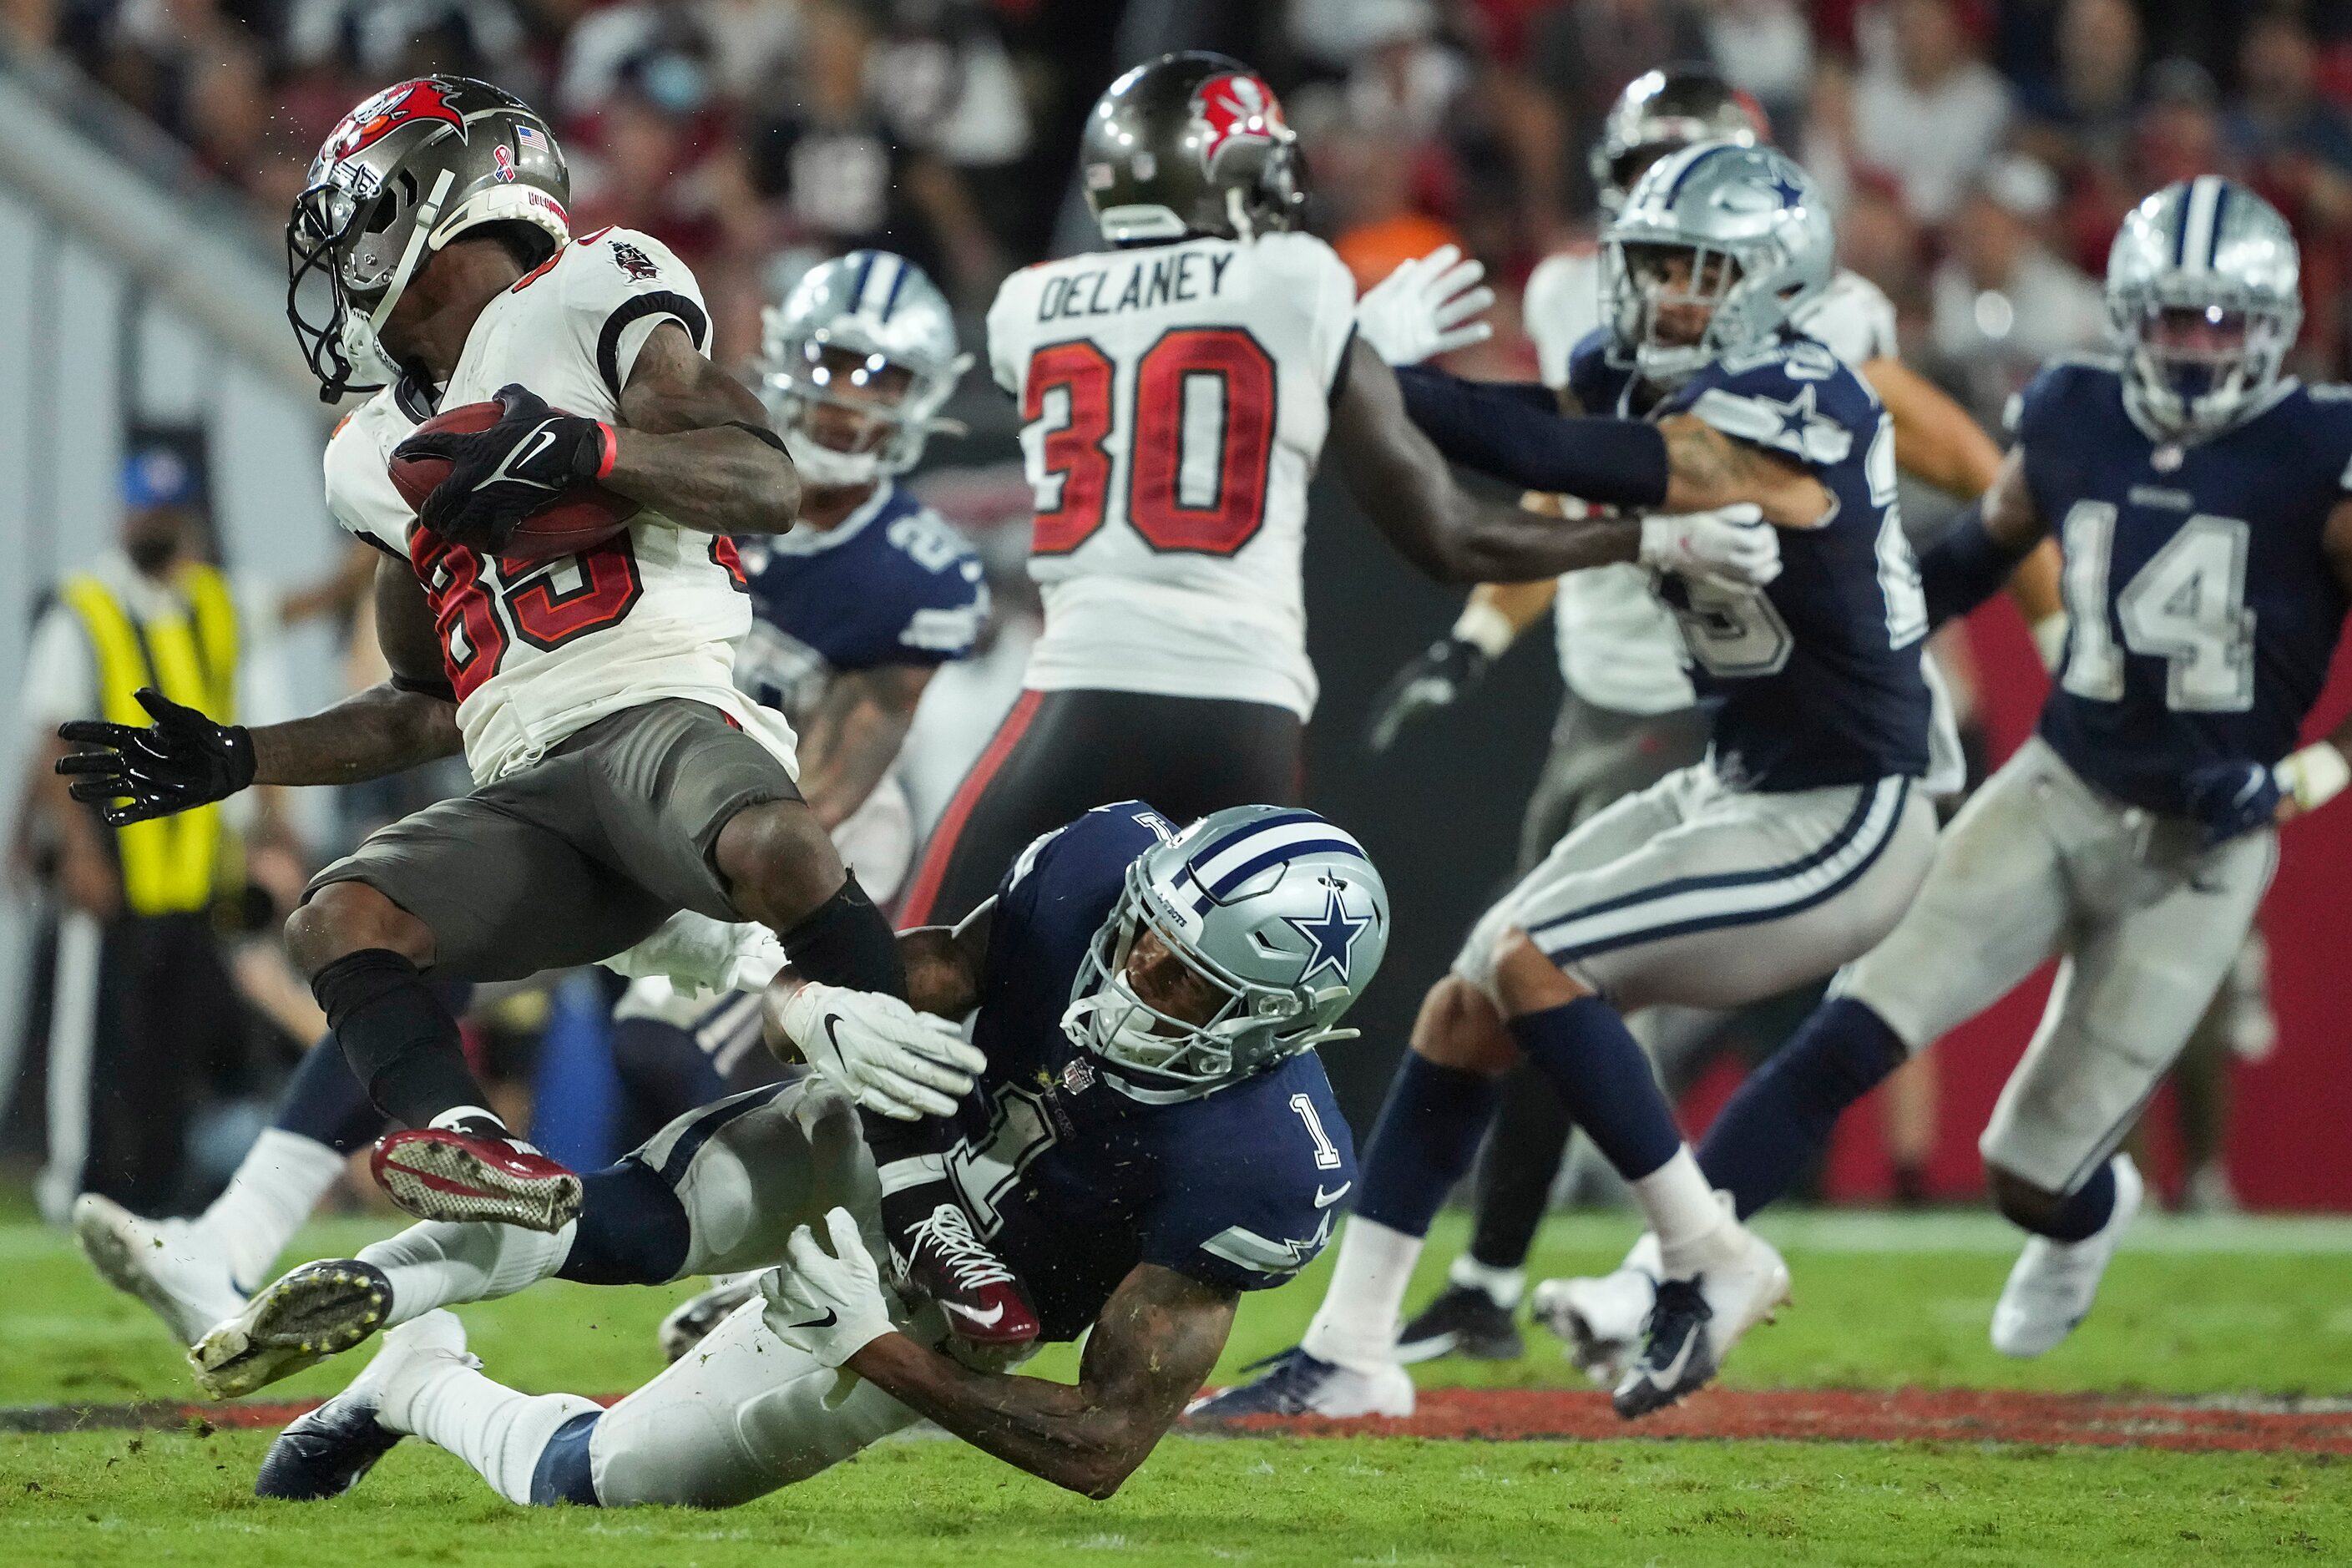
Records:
x=1190, y=144
x=1759, y=244
x=403, y=175
x=2204, y=253
x=1662, y=110
x=1278, y=909
x=876, y=305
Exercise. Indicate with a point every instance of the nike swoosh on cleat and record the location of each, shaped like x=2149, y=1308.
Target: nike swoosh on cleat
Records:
x=830, y=1318
x=1324, y=1200
x=987, y=1320
x=1673, y=1371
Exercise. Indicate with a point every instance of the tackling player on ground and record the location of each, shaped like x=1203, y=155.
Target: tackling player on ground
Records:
x=2203, y=503
x=1794, y=846
x=1153, y=1137
x=621, y=776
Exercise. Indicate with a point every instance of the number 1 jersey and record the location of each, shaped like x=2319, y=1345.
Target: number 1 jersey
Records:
x=1174, y=399
x=537, y=650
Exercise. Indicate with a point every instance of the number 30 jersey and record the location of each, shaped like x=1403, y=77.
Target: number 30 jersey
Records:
x=1174, y=399
x=2203, y=611
x=537, y=650
x=1074, y=1181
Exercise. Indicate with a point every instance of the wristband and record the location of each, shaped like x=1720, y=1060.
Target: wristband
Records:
x=1485, y=628
x=2313, y=775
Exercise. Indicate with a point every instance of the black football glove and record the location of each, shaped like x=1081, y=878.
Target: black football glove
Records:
x=1440, y=676
x=184, y=759
x=499, y=476
x=2231, y=799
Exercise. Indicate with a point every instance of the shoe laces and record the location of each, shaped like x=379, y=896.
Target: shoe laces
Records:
x=966, y=1258
x=1680, y=1310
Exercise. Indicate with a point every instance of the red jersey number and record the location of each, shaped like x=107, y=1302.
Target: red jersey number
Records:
x=559, y=602
x=1200, y=437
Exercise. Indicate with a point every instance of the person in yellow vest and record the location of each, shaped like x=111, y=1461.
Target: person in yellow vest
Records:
x=140, y=1005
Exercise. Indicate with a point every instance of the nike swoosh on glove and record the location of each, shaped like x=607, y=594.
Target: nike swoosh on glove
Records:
x=499, y=476
x=2231, y=799
x=182, y=760
x=891, y=1059
x=827, y=1305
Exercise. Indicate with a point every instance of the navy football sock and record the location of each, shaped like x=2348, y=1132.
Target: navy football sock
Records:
x=1426, y=1136
x=1781, y=1117
x=2086, y=1209
x=399, y=1037
x=633, y=1228
x=323, y=1102
x=1604, y=1080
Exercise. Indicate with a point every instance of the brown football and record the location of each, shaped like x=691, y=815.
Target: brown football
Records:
x=575, y=520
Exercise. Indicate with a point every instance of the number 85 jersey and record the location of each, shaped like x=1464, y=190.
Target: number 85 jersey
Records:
x=536, y=650
x=1174, y=399
x=2203, y=608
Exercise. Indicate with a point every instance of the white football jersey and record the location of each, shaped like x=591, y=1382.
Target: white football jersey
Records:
x=1174, y=400
x=1619, y=645
x=540, y=649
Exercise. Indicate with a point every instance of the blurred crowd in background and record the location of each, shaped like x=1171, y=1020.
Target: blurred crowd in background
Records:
x=1980, y=154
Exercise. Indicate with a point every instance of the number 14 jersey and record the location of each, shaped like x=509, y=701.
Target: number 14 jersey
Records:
x=1174, y=399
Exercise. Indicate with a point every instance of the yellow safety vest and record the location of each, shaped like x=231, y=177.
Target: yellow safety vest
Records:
x=172, y=864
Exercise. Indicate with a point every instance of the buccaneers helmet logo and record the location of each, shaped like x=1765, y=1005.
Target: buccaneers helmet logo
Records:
x=388, y=110
x=1234, y=107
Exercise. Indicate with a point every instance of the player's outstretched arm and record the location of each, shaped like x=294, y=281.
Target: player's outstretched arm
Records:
x=1400, y=480
x=853, y=736
x=1982, y=549
x=1451, y=668
x=693, y=443
x=1147, y=1356
x=185, y=760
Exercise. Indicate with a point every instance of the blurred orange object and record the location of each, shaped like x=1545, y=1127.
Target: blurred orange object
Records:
x=1372, y=250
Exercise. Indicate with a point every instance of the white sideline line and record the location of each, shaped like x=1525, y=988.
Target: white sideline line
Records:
x=1967, y=1230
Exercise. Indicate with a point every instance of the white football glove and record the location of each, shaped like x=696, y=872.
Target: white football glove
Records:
x=699, y=953
x=892, y=1059
x=827, y=1305
x=1731, y=545
x=1425, y=308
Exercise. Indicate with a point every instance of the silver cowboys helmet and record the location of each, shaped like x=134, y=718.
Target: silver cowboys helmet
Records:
x=1662, y=110
x=872, y=321
x=403, y=175
x=1280, y=911
x=1758, y=240
x=2203, y=300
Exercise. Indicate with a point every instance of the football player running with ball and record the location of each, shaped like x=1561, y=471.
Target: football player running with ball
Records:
x=2203, y=502
x=621, y=777
x=1795, y=845
x=1153, y=1137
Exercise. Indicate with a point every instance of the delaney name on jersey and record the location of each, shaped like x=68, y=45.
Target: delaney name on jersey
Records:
x=1175, y=275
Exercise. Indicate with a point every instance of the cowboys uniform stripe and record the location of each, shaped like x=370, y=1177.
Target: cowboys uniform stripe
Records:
x=1275, y=857
x=865, y=259
x=1245, y=1248
x=1207, y=857
x=2220, y=207
x=1697, y=158
x=2198, y=223
x=1697, y=904
x=897, y=281
x=1216, y=871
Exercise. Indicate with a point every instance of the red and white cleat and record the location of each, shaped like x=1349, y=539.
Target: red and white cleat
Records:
x=941, y=1258
x=437, y=1172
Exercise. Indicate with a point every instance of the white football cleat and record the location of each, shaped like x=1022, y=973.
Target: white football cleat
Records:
x=2051, y=1286
x=1696, y=1322
x=320, y=1309
x=163, y=1262
x=1601, y=1317
x=1296, y=1383
x=691, y=1320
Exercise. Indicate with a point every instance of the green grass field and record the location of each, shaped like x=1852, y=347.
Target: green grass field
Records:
x=2254, y=1307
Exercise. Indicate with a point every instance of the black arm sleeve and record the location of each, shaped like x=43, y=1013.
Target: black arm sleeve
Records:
x=1965, y=567
x=1514, y=432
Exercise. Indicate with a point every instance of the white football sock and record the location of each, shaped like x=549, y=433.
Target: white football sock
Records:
x=1357, y=1325
x=278, y=1184
x=440, y=1265
x=1501, y=1286
x=500, y=1432
x=1684, y=1213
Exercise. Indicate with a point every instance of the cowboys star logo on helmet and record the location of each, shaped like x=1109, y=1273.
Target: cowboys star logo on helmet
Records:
x=1235, y=108
x=1333, y=934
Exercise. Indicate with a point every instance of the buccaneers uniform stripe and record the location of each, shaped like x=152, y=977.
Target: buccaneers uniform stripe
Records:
x=941, y=848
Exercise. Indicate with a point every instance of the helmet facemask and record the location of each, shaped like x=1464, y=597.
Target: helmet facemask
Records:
x=1157, y=1051
x=366, y=242
x=2198, y=350
x=1653, y=287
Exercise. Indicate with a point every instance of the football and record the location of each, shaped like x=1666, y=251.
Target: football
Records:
x=574, y=520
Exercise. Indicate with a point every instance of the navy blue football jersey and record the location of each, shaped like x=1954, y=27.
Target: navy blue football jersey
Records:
x=2203, y=610
x=1816, y=676
x=1073, y=1181
x=891, y=583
